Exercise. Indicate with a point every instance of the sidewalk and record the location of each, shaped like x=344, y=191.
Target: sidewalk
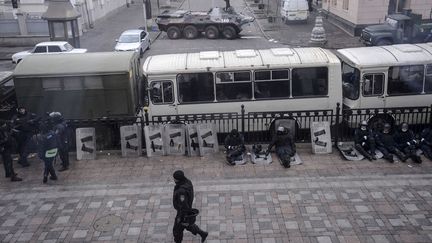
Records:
x=326, y=199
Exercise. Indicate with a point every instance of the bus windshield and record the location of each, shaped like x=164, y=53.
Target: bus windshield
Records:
x=350, y=82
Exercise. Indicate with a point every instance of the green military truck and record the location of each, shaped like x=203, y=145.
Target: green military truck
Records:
x=397, y=29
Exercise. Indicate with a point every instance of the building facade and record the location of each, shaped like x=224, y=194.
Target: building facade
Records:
x=25, y=22
x=354, y=15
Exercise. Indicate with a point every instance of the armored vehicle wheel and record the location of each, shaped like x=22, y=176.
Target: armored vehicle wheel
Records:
x=229, y=32
x=190, y=32
x=173, y=32
x=211, y=32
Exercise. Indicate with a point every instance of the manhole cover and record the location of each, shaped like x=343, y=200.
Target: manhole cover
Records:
x=107, y=223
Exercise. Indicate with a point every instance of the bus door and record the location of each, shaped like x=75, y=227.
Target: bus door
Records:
x=373, y=90
x=161, y=94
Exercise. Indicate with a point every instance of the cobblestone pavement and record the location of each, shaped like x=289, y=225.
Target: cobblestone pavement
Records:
x=128, y=200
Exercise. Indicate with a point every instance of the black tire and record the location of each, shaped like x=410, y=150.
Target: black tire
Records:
x=384, y=43
x=211, y=32
x=229, y=32
x=173, y=32
x=190, y=32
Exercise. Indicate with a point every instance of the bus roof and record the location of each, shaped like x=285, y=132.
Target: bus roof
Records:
x=239, y=59
x=68, y=64
x=384, y=56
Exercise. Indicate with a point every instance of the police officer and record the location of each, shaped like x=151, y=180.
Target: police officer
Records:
x=48, y=149
x=285, y=146
x=387, y=145
x=364, y=141
x=6, y=149
x=183, y=197
x=234, y=144
x=426, y=142
x=25, y=124
x=407, y=143
x=60, y=128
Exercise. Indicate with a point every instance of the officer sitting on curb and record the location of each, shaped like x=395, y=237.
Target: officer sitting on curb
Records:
x=234, y=144
x=387, y=145
x=364, y=141
x=407, y=143
x=285, y=146
x=426, y=142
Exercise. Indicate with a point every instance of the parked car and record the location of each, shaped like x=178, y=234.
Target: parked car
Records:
x=294, y=10
x=49, y=47
x=133, y=40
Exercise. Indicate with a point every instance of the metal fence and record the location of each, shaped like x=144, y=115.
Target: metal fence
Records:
x=257, y=127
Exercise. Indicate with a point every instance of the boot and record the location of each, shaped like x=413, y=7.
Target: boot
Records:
x=63, y=168
x=417, y=159
x=203, y=235
x=15, y=178
x=54, y=178
x=45, y=179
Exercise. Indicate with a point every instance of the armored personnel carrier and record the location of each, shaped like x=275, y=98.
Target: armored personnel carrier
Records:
x=216, y=22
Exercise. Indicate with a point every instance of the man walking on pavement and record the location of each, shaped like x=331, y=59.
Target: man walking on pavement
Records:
x=5, y=151
x=25, y=124
x=183, y=197
x=60, y=129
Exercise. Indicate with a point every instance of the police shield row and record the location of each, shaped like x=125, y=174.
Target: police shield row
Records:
x=27, y=132
x=400, y=142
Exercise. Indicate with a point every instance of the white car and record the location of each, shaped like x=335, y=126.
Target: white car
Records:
x=133, y=40
x=49, y=47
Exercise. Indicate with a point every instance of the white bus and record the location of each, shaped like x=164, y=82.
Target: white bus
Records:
x=387, y=76
x=278, y=79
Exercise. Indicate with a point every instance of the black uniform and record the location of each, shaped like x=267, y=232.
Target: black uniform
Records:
x=364, y=141
x=6, y=150
x=234, y=144
x=60, y=128
x=48, y=149
x=387, y=145
x=285, y=147
x=25, y=126
x=406, y=142
x=183, y=197
x=426, y=142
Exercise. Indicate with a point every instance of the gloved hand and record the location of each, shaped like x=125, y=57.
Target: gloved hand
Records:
x=409, y=144
x=422, y=140
x=363, y=144
x=365, y=137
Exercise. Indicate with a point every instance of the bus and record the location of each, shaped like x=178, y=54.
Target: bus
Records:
x=278, y=79
x=387, y=76
x=80, y=86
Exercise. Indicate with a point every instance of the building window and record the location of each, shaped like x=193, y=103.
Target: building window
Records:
x=233, y=86
x=195, y=87
x=373, y=84
x=345, y=5
x=405, y=80
x=161, y=92
x=272, y=84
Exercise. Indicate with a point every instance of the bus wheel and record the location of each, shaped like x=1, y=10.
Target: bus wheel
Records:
x=211, y=32
x=377, y=122
x=229, y=32
x=190, y=32
x=173, y=32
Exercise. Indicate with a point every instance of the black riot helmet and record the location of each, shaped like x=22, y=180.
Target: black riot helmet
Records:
x=387, y=128
x=235, y=133
x=363, y=125
x=404, y=127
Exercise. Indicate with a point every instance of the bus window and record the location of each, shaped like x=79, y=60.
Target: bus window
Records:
x=428, y=79
x=405, y=80
x=72, y=83
x=50, y=84
x=307, y=82
x=233, y=86
x=94, y=82
x=161, y=92
x=195, y=87
x=350, y=82
x=373, y=84
x=272, y=84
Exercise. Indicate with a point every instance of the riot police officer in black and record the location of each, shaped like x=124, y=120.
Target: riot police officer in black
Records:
x=183, y=197
x=25, y=124
x=387, y=145
x=407, y=143
x=60, y=128
x=426, y=142
x=285, y=146
x=234, y=144
x=364, y=141
x=6, y=150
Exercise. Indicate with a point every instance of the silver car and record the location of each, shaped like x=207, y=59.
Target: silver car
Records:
x=133, y=40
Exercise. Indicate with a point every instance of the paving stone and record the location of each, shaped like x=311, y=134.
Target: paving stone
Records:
x=79, y=234
x=62, y=220
x=134, y=231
